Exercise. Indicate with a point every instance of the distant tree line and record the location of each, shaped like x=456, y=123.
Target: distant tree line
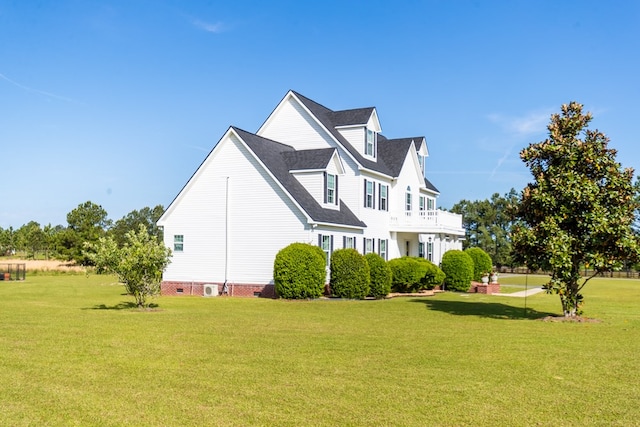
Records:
x=86, y=224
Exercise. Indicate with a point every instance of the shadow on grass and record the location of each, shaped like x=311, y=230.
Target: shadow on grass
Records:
x=122, y=306
x=493, y=310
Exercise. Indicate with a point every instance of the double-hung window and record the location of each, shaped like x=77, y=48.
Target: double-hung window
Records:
x=325, y=241
x=178, y=242
x=431, y=204
x=368, y=246
x=421, y=249
x=370, y=143
x=331, y=189
x=408, y=201
x=383, y=203
x=369, y=194
x=349, y=242
x=382, y=248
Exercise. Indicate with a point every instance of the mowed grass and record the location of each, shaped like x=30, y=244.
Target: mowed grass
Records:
x=73, y=352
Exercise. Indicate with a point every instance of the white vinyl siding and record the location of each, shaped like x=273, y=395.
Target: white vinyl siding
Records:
x=199, y=214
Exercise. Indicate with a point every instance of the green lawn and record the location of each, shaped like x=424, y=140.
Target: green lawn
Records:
x=73, y=352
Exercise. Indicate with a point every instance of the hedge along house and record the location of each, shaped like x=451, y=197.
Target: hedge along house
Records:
x=309, y=174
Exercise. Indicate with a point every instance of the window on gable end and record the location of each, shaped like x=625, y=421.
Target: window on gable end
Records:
x=370, y=143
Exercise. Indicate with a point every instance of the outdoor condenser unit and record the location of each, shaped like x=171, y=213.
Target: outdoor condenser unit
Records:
x=210, y=290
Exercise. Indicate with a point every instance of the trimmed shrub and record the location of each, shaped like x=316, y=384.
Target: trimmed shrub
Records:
x=380, y=275
x=411, y=274
x=458, y=268
x=481, y=262
x=299, y=271
x=433, y=277
x=349, y=274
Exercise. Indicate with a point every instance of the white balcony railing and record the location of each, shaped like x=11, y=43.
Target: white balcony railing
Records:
x=428, y=219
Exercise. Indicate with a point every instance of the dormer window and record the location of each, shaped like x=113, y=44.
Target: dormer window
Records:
x=330, y=188
x=421, y=162
x=370, y=143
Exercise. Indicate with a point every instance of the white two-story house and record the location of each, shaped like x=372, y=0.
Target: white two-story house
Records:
x=309, y=174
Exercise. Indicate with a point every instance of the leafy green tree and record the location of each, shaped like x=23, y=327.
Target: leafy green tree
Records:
x=145, y=216
x=7, y=241
x=87, y=224
x=580, y=209
x=30, y=238
x=138, y=264
x=488, y=224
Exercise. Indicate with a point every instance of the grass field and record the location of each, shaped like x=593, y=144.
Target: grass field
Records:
x=73, y=352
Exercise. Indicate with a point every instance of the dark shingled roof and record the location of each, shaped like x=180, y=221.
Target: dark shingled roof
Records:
x=309, y=159
x=391, y=152
x=274, y=156
x=358, y=116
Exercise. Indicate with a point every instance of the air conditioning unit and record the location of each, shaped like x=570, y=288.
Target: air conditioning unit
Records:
x=210, y=290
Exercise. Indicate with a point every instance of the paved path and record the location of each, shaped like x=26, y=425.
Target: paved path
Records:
x=523, y=294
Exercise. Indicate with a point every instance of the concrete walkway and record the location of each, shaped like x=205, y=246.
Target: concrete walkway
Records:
x=522, y=294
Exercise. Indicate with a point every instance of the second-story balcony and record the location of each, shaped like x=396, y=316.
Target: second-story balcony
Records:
x=426, y=221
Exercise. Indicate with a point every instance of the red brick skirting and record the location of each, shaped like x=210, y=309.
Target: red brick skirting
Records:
x=234, y=289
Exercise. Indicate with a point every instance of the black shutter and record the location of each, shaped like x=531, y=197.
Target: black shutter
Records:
x=364, y=245
x=325, y=187
x=335, y=192
x=320, y=240
x=344, y=241
x=365, y=193
x=331, y=244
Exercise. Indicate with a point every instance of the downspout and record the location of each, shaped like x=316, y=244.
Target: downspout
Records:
x=226, y=233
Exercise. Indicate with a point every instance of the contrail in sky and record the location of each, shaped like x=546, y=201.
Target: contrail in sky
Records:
x=40, y=92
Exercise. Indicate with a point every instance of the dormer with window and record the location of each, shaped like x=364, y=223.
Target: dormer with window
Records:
x=360, y=128
x=319, y=173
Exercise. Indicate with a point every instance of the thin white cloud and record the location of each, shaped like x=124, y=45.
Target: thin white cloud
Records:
x=37, y=91
x=216, y=28
x=530, y=124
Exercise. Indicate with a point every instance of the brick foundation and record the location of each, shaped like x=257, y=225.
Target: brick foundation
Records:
x=171, y=288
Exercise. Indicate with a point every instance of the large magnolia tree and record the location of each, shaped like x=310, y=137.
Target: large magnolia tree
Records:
x=579, y=210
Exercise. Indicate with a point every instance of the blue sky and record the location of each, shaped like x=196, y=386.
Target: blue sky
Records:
x=118, y=102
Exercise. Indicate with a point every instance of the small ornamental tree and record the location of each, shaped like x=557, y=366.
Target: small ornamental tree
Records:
x=458, y=267
x=349, y=274
x=380, y=275
x=299, y=271
x=481, y=262
x=138, y=264
x=579, y=211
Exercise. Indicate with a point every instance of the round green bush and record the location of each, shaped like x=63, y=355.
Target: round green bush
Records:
x=299, y=271
x=458, y=268
x=380, y=275
x=433, y=276
x=481, y=262
x=412, y=274
x=349, y=274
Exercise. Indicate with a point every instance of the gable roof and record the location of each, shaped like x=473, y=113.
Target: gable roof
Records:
x=326, y=117
x=274, y=156
x=391, y=152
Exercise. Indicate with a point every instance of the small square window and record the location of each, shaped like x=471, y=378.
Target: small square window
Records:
x=178, y=242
